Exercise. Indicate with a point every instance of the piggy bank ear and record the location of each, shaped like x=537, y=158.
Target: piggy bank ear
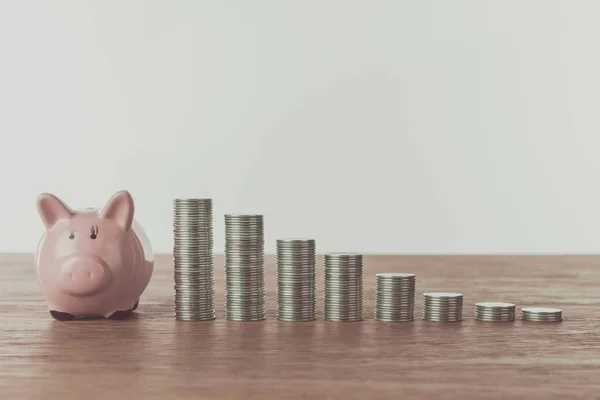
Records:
x=119, y=209
x=52, y=209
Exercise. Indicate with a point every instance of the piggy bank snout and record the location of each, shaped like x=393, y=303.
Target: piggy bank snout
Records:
x=83, y=275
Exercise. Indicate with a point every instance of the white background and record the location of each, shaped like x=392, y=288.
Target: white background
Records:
x=373, y=126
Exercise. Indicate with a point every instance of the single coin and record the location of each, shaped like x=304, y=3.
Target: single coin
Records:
x=443, y=294
x=395, y=275
x=493, y=304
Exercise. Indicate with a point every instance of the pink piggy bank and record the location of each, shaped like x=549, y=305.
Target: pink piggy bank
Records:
x=94, y=262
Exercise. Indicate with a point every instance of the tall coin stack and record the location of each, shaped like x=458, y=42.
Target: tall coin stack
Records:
x=296, y=280
x=193, y=259
x=494, y=312
x=244, y=268
x=443, y=307
x=343, y=287
x=394, y=297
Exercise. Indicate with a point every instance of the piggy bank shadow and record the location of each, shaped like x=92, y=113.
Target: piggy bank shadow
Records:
x=129, y=317
x=116, y=316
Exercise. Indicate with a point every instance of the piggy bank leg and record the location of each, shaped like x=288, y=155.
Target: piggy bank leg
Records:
x=61, y=316
x=125, y=314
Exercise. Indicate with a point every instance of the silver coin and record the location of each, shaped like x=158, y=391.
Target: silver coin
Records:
x=494, y=312
x=494, y=305
x=394, y=297
x=541, y=314
x=296, y=280
x=541, y=310
x=343, y=287
x=443, y=295
x=396, y=275
x=193, y=264
x=442, y=307
x=245, y=294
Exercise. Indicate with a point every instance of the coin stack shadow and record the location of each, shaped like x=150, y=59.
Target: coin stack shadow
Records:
x=394, y=297
x=193, y=260
x=494, y=312
x=443, y=307
x=296, y=280
x=541, y=314
x=244, y=267
x=343, y=287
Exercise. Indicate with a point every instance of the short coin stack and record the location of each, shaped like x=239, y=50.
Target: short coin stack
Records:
x=443, y=306
x=193, y=259
x=494, y=311
x=541, y=314
x=343, y=287
x=296, y=280
x=394, y=297
x=244, y=267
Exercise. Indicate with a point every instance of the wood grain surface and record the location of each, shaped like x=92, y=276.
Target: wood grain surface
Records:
x=153, y=356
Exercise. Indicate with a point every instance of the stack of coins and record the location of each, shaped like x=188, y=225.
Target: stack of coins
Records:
x=443, y=307
x=244, y=267
x=343, y=287
x=541, y=314
x=494, y=312
x=394, y=297
x=296, y=280
x=193, y=259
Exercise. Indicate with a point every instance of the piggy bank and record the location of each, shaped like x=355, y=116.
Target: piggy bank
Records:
x=92, y=263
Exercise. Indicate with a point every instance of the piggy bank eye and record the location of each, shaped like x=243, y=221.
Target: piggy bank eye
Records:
x=94, y=231
x=72, y=236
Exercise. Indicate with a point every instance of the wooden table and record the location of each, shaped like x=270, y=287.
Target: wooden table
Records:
x=153, y=356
